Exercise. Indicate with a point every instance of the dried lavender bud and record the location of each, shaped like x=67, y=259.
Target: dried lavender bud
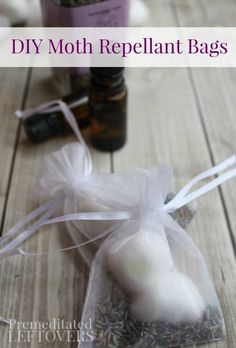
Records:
x=185, y=214
x=114, y=326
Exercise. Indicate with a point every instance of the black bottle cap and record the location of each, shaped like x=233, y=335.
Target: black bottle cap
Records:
x=41, y=127
x=107, y=72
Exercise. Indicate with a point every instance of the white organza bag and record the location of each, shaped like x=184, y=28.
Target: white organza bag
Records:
x=67, y=174
x=64, y=174
x=66, y=178
x=149, y=285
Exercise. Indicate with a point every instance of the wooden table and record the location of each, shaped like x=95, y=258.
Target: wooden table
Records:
x=182, y=117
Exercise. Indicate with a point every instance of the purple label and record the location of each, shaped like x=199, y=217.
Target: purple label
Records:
x=109, y=13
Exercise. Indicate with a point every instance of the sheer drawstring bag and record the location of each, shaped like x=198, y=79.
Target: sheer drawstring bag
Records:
x=63, y=175
x=149, y=285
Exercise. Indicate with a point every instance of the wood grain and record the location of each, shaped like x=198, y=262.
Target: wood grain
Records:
x=214, y=90
x=214, y=93
x=11, y=95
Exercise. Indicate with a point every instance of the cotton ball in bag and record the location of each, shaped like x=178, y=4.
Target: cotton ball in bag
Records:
x=173, y=298
x=135, y=260
x=139, y=12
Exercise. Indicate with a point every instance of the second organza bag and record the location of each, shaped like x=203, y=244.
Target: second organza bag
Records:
x=149, y=283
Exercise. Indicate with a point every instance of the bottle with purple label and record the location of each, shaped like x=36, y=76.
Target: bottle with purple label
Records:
x=84, y=13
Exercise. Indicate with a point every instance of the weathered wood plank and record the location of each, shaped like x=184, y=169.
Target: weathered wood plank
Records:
x=215, y=97
x=214, y=90
x=11, y=94
x=35, y=19
x=53, y=286
x=205, y=14
x=165, y=126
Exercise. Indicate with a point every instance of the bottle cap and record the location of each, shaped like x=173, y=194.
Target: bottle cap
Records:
x=107, y=72
x=41, y=127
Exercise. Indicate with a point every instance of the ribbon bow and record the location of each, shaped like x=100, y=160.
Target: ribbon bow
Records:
x=47, y=210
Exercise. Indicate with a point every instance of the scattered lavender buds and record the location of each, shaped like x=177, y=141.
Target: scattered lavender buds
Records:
x=185, y=214
x=115, y=328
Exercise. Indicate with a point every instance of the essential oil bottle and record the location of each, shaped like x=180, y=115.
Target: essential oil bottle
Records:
x=44, y=126
x=108, y=108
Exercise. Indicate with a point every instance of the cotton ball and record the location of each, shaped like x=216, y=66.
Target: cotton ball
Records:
x=138, y=13
x=136, y=260
x=16, y=11
x=173, y=298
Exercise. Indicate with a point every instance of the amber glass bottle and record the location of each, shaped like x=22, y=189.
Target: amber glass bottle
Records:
x=108, y=108
x=44, y=126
